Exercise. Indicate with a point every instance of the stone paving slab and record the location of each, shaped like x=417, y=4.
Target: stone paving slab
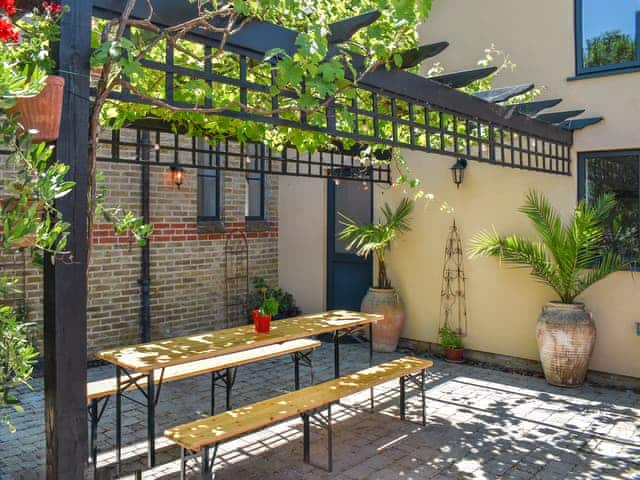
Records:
x=481, y=424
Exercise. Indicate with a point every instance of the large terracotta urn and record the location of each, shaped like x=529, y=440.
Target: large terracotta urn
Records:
x=386, y=332
x=566, y=335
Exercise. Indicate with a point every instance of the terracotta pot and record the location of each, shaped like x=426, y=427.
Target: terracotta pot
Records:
x=566, y=335
x=386, y=333
x=454, y=355
x=261, y=323
x=42, y=112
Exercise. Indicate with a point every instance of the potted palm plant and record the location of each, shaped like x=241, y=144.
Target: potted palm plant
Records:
x=376, y=238
x=569, y=258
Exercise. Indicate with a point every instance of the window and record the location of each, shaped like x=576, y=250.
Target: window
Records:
x=209, y=181
x=255, y=189
x=619, y=173
x=607, y=35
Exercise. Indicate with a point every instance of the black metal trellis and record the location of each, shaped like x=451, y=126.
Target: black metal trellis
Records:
x=236, y=278
x=393, y=108
x=170, y=149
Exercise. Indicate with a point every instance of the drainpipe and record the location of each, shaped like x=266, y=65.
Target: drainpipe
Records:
x=145, y=276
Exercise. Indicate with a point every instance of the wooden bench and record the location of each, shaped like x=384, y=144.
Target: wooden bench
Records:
x=222, y=370
x=202, y=437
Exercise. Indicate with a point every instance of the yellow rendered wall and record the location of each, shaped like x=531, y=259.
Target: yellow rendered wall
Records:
x=503, y=304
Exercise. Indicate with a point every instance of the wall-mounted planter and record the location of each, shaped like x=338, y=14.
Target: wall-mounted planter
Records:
x=41, y=114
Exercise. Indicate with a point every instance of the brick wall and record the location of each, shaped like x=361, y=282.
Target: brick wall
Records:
x=187, y=265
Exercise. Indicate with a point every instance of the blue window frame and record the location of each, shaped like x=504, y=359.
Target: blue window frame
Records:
x=607, y=36
x=255, y=192
x=209, y=196
x=615, y=172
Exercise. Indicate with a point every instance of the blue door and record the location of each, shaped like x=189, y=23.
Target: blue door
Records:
x=348, y=275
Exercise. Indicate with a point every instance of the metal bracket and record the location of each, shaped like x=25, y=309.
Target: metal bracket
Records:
x=306, y=358
x=207, y=460
x=419, y=380
x=223, y=378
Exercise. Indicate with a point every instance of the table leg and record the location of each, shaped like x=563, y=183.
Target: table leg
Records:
x=336, y=353
x=118, y=420
x=296, y=370
x=371, y=358
x=402, y=398
x=151, y=420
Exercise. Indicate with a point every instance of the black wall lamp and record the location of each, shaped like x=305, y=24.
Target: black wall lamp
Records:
x=177, y=174
x=457, y=171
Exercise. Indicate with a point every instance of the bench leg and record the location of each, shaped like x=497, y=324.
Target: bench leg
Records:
x=118, y=420
x=208, y=460
x=423, y=381
x=324, y=422
x=93, y=434
x=151, y=421
x=371, y=359
x=402, y=398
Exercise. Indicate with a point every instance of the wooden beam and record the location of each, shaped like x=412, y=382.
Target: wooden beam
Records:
x=464, y=78
x=503, y=94
x=531, y=108
x=580, y=123
x=342, y=31
x=558, y=117
x=65, y=282
x=415, y=56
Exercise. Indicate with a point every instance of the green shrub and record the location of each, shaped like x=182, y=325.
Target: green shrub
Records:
x=449, y=338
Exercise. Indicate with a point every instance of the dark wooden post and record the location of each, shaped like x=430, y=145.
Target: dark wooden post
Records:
x=65, y=282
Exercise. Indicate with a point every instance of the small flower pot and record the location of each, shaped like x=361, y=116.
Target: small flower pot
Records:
x=261, y=323
x=41, y=114
x=454, y=355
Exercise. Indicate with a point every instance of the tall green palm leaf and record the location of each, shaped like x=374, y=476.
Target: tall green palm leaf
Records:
x=569, y=258
x=376, y=238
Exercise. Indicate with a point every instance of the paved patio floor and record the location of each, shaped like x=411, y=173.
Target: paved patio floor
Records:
x=481, y=424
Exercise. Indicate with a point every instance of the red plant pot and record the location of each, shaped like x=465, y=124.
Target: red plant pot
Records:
x=454, y=355
x=261, y=322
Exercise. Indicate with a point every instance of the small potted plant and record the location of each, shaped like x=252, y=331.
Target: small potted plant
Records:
x=262, y=316
x=451, y=341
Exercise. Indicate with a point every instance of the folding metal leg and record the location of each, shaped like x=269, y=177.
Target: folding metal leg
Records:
x=371, y=359
x=213, y=393
x=229, y=381
x=151, y=421
x=93, y=415
x=296, y=370
x=118, y=420
x=207, y=462
x=423, y=381
x=323, y=422
x=402, y=399
x=336, y=354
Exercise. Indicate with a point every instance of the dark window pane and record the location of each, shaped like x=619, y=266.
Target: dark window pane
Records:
x=354, y=201
x=255, y=196
x=618, y=175
x=609, y=32
x=208, y=185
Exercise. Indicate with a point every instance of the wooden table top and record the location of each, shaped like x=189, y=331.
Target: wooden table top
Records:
x=145, y=357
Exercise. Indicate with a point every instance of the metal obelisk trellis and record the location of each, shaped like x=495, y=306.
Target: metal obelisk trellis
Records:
x=453, y=301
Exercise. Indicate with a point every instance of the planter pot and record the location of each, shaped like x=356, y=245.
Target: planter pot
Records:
x=386, y=332
x=566, y=335
x=42, y=112
x=261, y=323
x=454, y=355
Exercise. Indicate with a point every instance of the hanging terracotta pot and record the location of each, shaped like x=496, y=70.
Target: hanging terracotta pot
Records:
x=41, y=114
x=386, y=332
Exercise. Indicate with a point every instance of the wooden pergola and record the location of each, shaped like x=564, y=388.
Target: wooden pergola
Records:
x=477, y=127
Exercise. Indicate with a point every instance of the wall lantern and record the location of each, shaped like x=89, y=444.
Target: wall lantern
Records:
x=177, y=174
x=457, y=171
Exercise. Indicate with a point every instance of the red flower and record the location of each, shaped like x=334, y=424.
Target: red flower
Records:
x=52, y=7
x=7, y=32
x=9, y=7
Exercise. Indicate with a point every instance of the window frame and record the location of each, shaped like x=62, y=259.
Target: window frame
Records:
x=212, y=153
x=263, y=186
x=611, y=69
x=582, y=172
